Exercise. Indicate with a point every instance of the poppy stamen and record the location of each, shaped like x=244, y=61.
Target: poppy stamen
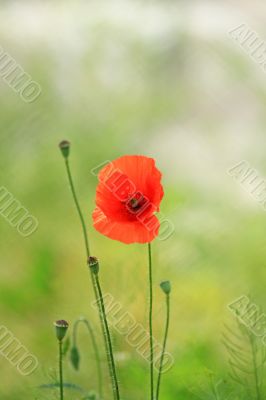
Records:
x=134, y=203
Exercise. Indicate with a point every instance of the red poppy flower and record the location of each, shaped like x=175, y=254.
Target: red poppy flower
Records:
x=127, y=196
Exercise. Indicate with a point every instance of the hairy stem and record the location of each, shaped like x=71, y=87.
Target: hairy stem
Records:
x=254, y=357
x=109, y=341
x=164, y=345
x=61, y=370
x=214, y=389
x=150, y=321
x=78, y=208
x=95, y=348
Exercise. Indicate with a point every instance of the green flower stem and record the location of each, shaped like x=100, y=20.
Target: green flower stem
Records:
x=61, y=370
x=214, y=388
x=164, y=345
x=150, y=322
x=95, y=348
x=84, y=229
x=256, y=376
x=78, y=208
x=107, y=343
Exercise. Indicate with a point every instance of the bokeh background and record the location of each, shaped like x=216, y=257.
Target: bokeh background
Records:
x=160, y=78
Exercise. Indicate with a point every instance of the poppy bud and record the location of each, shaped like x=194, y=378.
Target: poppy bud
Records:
x=93, y=263
x=65, y=148
x=61, y=327
x=166, y=287
x=75, y=358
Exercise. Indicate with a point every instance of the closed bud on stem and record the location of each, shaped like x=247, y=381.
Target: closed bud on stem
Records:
x=61, y=328
x=93, y=264
x=166, y=287
x=65, y=148
x=75, y=357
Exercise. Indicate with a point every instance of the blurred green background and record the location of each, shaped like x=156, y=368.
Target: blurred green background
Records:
x=160, y=78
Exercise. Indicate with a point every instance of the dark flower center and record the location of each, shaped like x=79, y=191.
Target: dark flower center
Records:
x=136, y=202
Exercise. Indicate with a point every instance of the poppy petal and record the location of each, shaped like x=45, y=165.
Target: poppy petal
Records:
x=142, y=175
x=126, y=232
x=111, y=195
